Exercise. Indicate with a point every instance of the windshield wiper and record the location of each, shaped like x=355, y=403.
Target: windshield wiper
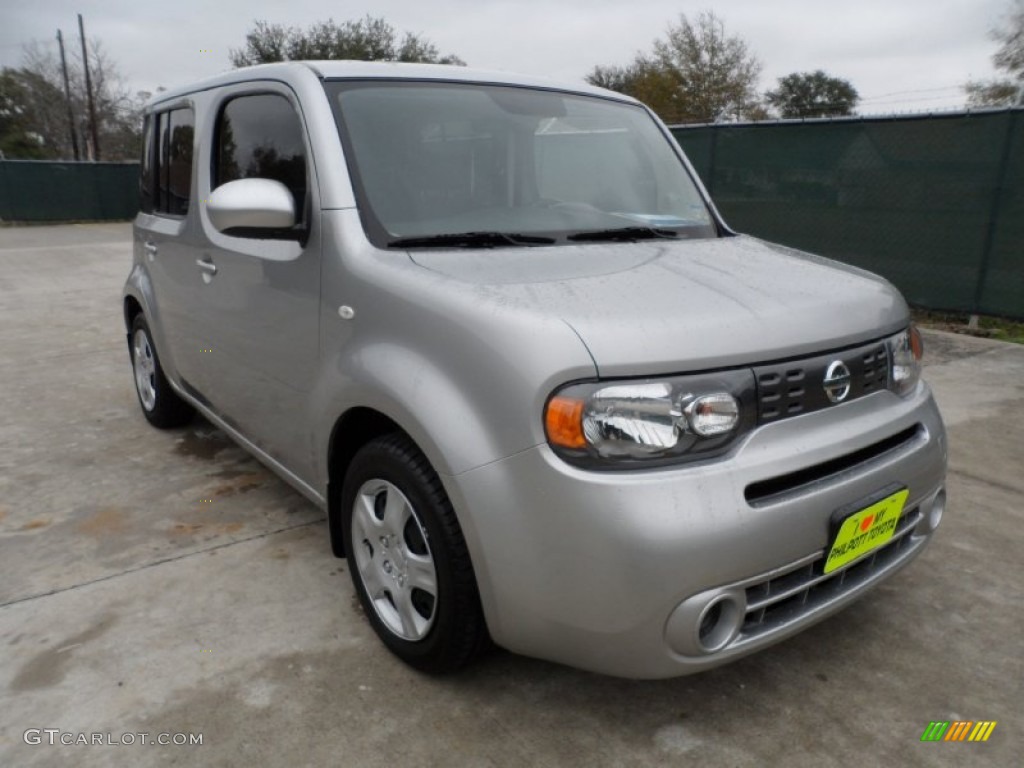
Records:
x=624, y=233
x=470, y=240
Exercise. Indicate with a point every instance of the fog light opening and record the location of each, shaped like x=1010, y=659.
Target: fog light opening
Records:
x=937, y=510
x=718, y=624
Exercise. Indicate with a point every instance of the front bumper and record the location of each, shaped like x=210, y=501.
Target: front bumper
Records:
x=602, y=570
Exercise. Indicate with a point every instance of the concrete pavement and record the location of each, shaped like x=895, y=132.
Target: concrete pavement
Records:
x=166, y=583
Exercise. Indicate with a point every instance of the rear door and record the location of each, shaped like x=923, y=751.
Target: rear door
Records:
x=165, y=238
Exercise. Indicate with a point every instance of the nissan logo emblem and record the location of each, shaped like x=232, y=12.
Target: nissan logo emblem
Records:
x=837, y=381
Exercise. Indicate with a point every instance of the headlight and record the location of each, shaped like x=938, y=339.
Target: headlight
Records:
x=905, y=352
x=649, y=422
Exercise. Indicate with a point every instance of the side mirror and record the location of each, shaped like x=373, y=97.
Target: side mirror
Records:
x=251, y=203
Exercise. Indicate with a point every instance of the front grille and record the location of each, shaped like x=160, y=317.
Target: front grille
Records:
x=796, y=387
x=788, y=594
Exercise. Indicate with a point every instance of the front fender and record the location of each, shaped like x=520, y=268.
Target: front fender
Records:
x=460, y=418
x=464, y=371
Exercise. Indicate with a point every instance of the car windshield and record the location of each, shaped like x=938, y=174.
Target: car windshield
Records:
x=451, y=164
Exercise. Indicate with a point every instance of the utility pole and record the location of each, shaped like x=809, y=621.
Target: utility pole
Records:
x=67, y=98
x=88, y=92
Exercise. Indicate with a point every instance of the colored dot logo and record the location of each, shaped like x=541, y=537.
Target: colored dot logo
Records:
x=210, y=349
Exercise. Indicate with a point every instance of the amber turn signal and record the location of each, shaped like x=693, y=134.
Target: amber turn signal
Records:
x=563, y=420
x=916, y=343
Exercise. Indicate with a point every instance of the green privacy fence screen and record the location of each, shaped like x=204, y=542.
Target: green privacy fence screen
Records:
x=935, y=204
x=40, y=190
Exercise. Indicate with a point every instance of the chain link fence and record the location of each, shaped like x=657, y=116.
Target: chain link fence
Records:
x=935, y=203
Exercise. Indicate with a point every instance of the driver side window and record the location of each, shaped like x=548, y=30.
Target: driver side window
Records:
x=261, y=136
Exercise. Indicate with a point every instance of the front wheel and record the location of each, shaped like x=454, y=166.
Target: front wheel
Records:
x=408, y=558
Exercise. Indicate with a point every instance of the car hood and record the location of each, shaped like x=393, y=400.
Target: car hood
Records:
x=664, y=306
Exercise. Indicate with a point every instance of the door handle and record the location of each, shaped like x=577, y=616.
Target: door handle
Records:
x=151, y=249
x=207, y=266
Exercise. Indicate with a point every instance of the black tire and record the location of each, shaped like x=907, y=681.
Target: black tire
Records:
x=160, y=404
x=456, y=630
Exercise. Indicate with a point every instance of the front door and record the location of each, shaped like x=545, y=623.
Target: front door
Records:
x=261, y=290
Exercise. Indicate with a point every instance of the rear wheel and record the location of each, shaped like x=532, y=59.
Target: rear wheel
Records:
x=408, y=558
x=160, y=404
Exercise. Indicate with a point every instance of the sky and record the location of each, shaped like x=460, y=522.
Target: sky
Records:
x=900, y=55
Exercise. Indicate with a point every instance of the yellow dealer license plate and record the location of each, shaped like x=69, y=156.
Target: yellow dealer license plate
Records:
x=865, y=530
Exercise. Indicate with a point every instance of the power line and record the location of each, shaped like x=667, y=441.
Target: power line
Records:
x=913, y=90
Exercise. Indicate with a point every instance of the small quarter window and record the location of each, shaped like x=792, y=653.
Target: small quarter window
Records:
x=180, y=140
x=146, y=178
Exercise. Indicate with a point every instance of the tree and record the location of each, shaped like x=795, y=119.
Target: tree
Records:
x=1010, y=59
x=698, y=73
x=28, y=118
x=993, y=93
x=643, y=80
x=33, y=108
x=368, y=39
x=813, y=94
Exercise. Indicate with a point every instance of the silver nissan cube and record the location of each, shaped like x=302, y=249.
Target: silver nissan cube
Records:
x=496, y=329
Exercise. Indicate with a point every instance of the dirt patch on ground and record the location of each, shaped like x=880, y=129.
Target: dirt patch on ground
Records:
x=202, y=445
x=193, y=529
x=104, y=521
x=242, y=484
x=998, y=328
x=49, y=667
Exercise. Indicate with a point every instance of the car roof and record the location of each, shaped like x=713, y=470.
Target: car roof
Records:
x=384, y=70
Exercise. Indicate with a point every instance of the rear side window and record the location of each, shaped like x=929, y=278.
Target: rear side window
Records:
x=260, y=136
x=166, y=172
